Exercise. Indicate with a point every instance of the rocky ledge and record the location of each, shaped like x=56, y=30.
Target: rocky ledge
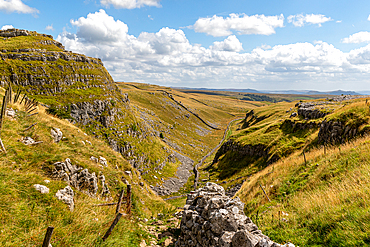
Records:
x=210, y=218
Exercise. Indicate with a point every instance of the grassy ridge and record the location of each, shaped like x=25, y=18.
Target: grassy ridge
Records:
x=321, y=202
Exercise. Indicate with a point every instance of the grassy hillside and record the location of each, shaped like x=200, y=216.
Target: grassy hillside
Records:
x=26, y=213
x=319, y=197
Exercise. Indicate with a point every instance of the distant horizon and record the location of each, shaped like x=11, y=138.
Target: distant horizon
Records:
x=260, y=90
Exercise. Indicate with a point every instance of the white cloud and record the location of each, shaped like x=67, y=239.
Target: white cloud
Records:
x=168, y=58
x=16, y=6
x=6, y=27
x=368, y=18
x=100, y=27
x=243, y=24
x=130, y=4
x=300, y=20
x=231, y=43
x=360, y=37
x=49, y=27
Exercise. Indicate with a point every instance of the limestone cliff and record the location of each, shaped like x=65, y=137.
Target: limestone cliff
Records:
x=78, y=88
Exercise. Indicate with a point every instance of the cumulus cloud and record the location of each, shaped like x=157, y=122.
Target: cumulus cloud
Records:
x=231, y=43
x=16, y=6
x=6, y=27
x=218, y=26
x=300, y=20
x=167, y=57
x=360, y=37
x=130, y=4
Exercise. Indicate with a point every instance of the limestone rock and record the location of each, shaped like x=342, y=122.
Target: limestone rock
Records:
x=66, y=195
x=56, y=134
x=92, y=158
x=42, y=188
x=103, y=161
x=210, y=218
x=10, y=113
x=78, y=177
x=27, y=140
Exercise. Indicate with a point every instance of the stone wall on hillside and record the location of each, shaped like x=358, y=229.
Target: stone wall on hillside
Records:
x=210, y=218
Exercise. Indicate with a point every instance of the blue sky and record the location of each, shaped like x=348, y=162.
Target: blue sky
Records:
x=266, y=45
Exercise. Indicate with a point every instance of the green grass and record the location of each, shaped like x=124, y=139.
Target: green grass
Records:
x=26, y=213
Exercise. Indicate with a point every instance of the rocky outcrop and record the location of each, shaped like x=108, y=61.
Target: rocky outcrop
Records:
x=44, y=56
x=42, y=188
x=336, y=132
x=66, y=195
x=310, y=111
x=57, y=134
x=210, y=218
x=11, y=33
x=78, y=177
x=85, y=112
x=257, y=150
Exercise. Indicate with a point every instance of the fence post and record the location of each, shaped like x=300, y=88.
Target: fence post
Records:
x=119, y=201
x=112, y=226
x=47, y=238
x=128, y=198
x=265, y=193
x=3, y=109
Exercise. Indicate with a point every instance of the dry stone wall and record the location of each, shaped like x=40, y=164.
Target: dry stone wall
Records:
x=210, y=218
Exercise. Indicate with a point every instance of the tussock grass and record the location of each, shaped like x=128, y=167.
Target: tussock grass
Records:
x=327, y=199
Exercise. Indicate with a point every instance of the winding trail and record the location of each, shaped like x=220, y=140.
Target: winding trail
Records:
x=195, y=169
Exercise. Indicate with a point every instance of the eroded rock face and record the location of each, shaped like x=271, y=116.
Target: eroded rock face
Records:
x=210, y=218
x=85, y=112
x=336, y=132
x=79, y=178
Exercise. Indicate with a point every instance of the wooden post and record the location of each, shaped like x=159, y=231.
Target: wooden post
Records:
x=265, y=193
x=257, y=218
x=119, y=201
x=47, y=238
x=304, y=156
x=3, y=109
x=10, y=94
x=128, y=198
x=112, y=226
